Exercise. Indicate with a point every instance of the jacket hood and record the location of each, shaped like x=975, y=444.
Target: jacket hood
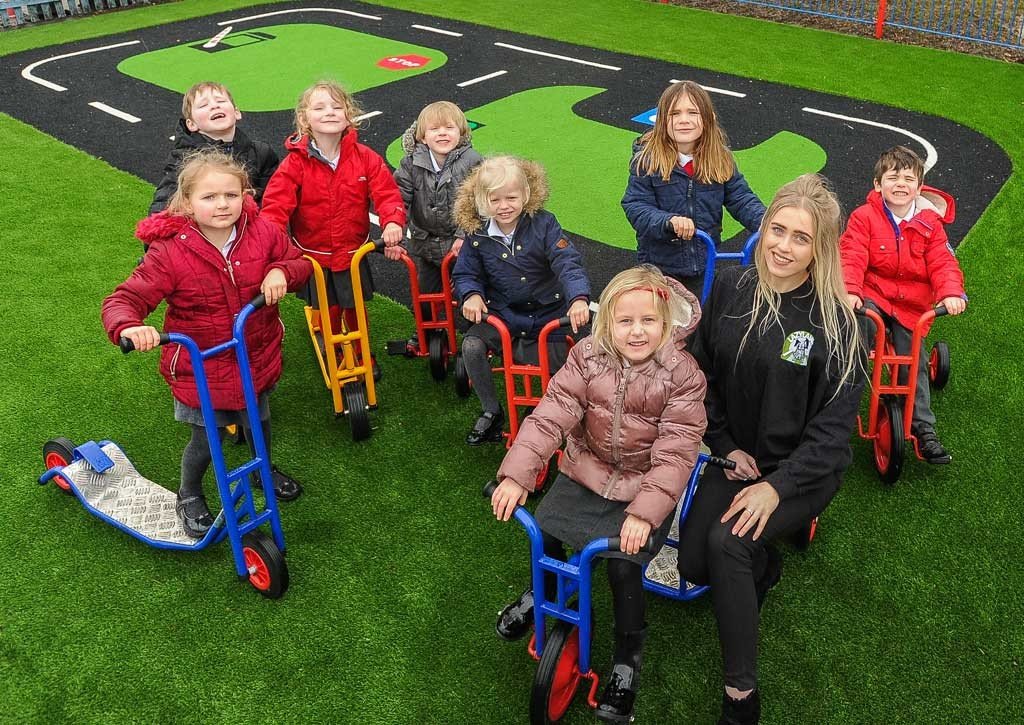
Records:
x=464, y=210
x=945, y=205
x=164, y=225
x=184, y=138
x=409, y=142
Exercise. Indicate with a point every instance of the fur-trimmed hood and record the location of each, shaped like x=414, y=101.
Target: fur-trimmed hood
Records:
x=465, y=213
x=164, y=225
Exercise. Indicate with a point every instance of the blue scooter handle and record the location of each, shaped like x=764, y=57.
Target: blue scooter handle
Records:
x=259, y=301
x=726, y=463
x=490, y=487
x=128, y=346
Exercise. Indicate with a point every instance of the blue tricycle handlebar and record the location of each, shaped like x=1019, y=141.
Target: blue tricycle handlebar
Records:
x=257, y=302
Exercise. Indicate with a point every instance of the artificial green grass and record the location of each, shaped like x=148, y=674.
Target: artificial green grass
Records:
x=905, y=610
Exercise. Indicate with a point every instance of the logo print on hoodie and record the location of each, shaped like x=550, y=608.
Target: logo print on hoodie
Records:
x=797, y=347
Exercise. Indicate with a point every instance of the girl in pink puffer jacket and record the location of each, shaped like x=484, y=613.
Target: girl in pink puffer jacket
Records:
x=629, y=404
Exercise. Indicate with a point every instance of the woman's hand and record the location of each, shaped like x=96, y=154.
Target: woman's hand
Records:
x=855, y=301
x=746, y=467
x=683, y=226
x=392, y=234
x=579, y=314
x=506, y=497
x=275, y=286
x=144, y=337
x=473, y=309
x=633, y=534
x=755, y=504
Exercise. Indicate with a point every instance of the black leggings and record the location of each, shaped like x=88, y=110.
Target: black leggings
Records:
x=195, y=460
x=709, y=553
x=626, y=580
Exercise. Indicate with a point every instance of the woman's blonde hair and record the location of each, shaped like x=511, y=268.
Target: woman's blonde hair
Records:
x=712, y=160
x=441, y=112
x=813, y=194
x=671, y=307
x=493, y=174
x=194, y=167
x=335, y=91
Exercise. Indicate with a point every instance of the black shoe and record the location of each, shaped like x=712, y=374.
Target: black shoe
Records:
x=770, y=577
x=931, y=447
x=515, y=620
x=619, y=696
x=487, y=428
x=195, y=516
x=741, y=712
x=286, y=488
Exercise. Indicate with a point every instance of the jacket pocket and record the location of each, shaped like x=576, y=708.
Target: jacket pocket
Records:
x=883, y=256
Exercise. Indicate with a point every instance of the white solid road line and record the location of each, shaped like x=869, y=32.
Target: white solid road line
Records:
x=437, y=30
x=215, y=40
x=114, y=112
x=26, y=72
x=558, y=57
x=712, y=89
x=365, y=116
x=487, y=77
x=300, y=10
x=932, y=154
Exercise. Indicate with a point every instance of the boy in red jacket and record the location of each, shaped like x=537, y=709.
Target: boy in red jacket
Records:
x=897, y=260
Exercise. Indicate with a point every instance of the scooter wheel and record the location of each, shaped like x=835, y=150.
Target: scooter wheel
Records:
x=268, y=571
x=802, y=537
x=558, y=675
x=438, y=350
x=356, y=409
x=462, y=385
x=938, y=365
x=888, y=446
x=59, y=452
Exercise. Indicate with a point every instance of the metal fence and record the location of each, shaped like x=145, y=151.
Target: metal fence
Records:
x=995, y=22
x=18, y=12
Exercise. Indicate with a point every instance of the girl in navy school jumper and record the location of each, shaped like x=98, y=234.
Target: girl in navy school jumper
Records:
x=681, y=175
x=517, y=264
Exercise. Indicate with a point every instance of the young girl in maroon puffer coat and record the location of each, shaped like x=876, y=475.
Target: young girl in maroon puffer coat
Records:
x=210, y=254
x=630, y=405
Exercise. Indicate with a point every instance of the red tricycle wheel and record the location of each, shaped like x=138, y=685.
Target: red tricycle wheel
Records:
x=558, y=675
x=888, y=442
x=938, y=365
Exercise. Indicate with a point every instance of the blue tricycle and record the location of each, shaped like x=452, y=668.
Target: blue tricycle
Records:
x=744, y=257
x=108, y=485
x=563, y=652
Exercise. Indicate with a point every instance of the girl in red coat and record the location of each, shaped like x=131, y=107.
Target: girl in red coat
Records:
x=323, y=190
x=630, y=405
x=210, y=253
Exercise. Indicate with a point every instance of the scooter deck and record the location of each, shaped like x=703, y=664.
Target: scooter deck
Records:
x=663, y=568
x=126, y=496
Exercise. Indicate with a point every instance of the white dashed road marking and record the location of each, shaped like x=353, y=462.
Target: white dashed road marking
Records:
x=437, y=30
x=557, y=57
x=487, y=77
x=115, y=112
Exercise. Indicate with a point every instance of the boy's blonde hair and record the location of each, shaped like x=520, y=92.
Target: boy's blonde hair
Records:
x=195, y=166
x=671, y=307
x=712, y=160
x=192, y=93
x=896, y=159
x=335, y=91
x=493, y=174
x=813, y=194
x=441, y=112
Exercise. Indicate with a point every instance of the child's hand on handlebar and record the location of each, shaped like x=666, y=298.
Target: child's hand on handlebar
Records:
x=144, y=337
x=473, y=309
x=275, y=286
x=746, y=467
x=954, y=305
x=392, y=234
x=683, y=227
x=506, y=497
x=579, y=314
x=633, y=534
x=394, y=252
x=855, y=301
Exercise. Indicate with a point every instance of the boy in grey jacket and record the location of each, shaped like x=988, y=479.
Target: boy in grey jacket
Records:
x=438, y=157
